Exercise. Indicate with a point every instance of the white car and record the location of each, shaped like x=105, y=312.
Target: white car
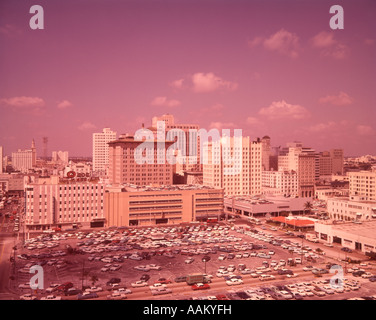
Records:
x=154, y=267
x=234, y=282
x=94, y=289
x=24, y=286
x=124, y=291
x=294, y=275
x=28, y=296
x=139, y=283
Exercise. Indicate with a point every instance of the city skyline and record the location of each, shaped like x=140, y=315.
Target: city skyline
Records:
x=269, y=68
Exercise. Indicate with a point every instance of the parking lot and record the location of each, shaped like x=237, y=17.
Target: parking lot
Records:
x=238, y=259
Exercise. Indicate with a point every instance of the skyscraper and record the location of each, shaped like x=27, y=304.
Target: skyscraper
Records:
x=127, y=167
x=247, y=164
x=1, y=159
x=100, y=149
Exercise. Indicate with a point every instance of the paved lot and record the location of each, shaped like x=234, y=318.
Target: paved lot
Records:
x=81, y=268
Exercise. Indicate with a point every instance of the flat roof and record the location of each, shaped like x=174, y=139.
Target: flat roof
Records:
x=179, y=187
x=364, y=229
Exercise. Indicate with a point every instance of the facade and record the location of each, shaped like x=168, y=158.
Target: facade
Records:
x=58, y=203
x=189, y=151
x=362, y=185
x=305, y=162
x=60, y=157
x=23, y=160
x=101, y=149
x=128, y=167
x=337, y=161
x=246, y=166
x=1, y=159
x=136, y=206
x=266, y=153
x=280, y=183
x=350, y=210
x=360, y=237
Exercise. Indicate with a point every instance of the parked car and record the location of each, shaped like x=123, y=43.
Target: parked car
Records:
x=139, y=283
x=200, y=286
x=87, y=295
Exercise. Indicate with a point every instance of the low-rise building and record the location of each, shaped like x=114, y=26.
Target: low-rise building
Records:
x=130, y=205
x=356, y=236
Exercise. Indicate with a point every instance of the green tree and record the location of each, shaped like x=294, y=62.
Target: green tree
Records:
x=308, y=206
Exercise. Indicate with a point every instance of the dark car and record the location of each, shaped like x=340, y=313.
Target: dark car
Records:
x=87, y=295
x=242, y=295
x=358, y=273
x=372, y=279
x=72, y=292
x=145, y=277
x=113, y=280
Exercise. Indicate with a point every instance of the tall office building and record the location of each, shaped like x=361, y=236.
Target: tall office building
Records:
x=266, y=153
x=362, y=185
x=23, y=160
x=305, y=162
x=189, y=150
x=243, y=175
x=337, y=161
x=148, y=167
x=1, y=159
x=101, y=149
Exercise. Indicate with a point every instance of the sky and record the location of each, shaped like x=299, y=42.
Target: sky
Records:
x=268, y=67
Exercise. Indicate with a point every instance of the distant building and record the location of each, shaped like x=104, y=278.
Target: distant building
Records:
x=101, y=150
x=266, y=153
x=141, y=206
x=189, y=152
x=280, y=183
x=23, y=160
x=1, y=159
x=60, y=157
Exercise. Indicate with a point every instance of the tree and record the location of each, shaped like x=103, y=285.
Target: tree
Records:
x=93, y=279
x=308, y=206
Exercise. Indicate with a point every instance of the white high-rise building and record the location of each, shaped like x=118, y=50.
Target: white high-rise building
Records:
x=246, y=166
x=362, y=185
x=60, y=156
x=101, y=149
x=23, y=160
x=1, y=159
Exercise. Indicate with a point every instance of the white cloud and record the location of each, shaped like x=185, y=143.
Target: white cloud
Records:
x=341, y=99
x=87, y=125
x=209, y=82
x=23, y=102
x=164, y=102
x=365, y=130
x=64, y=104
x=329, y=47
x=283, y=42
x=178, y=84
x=284, y=110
